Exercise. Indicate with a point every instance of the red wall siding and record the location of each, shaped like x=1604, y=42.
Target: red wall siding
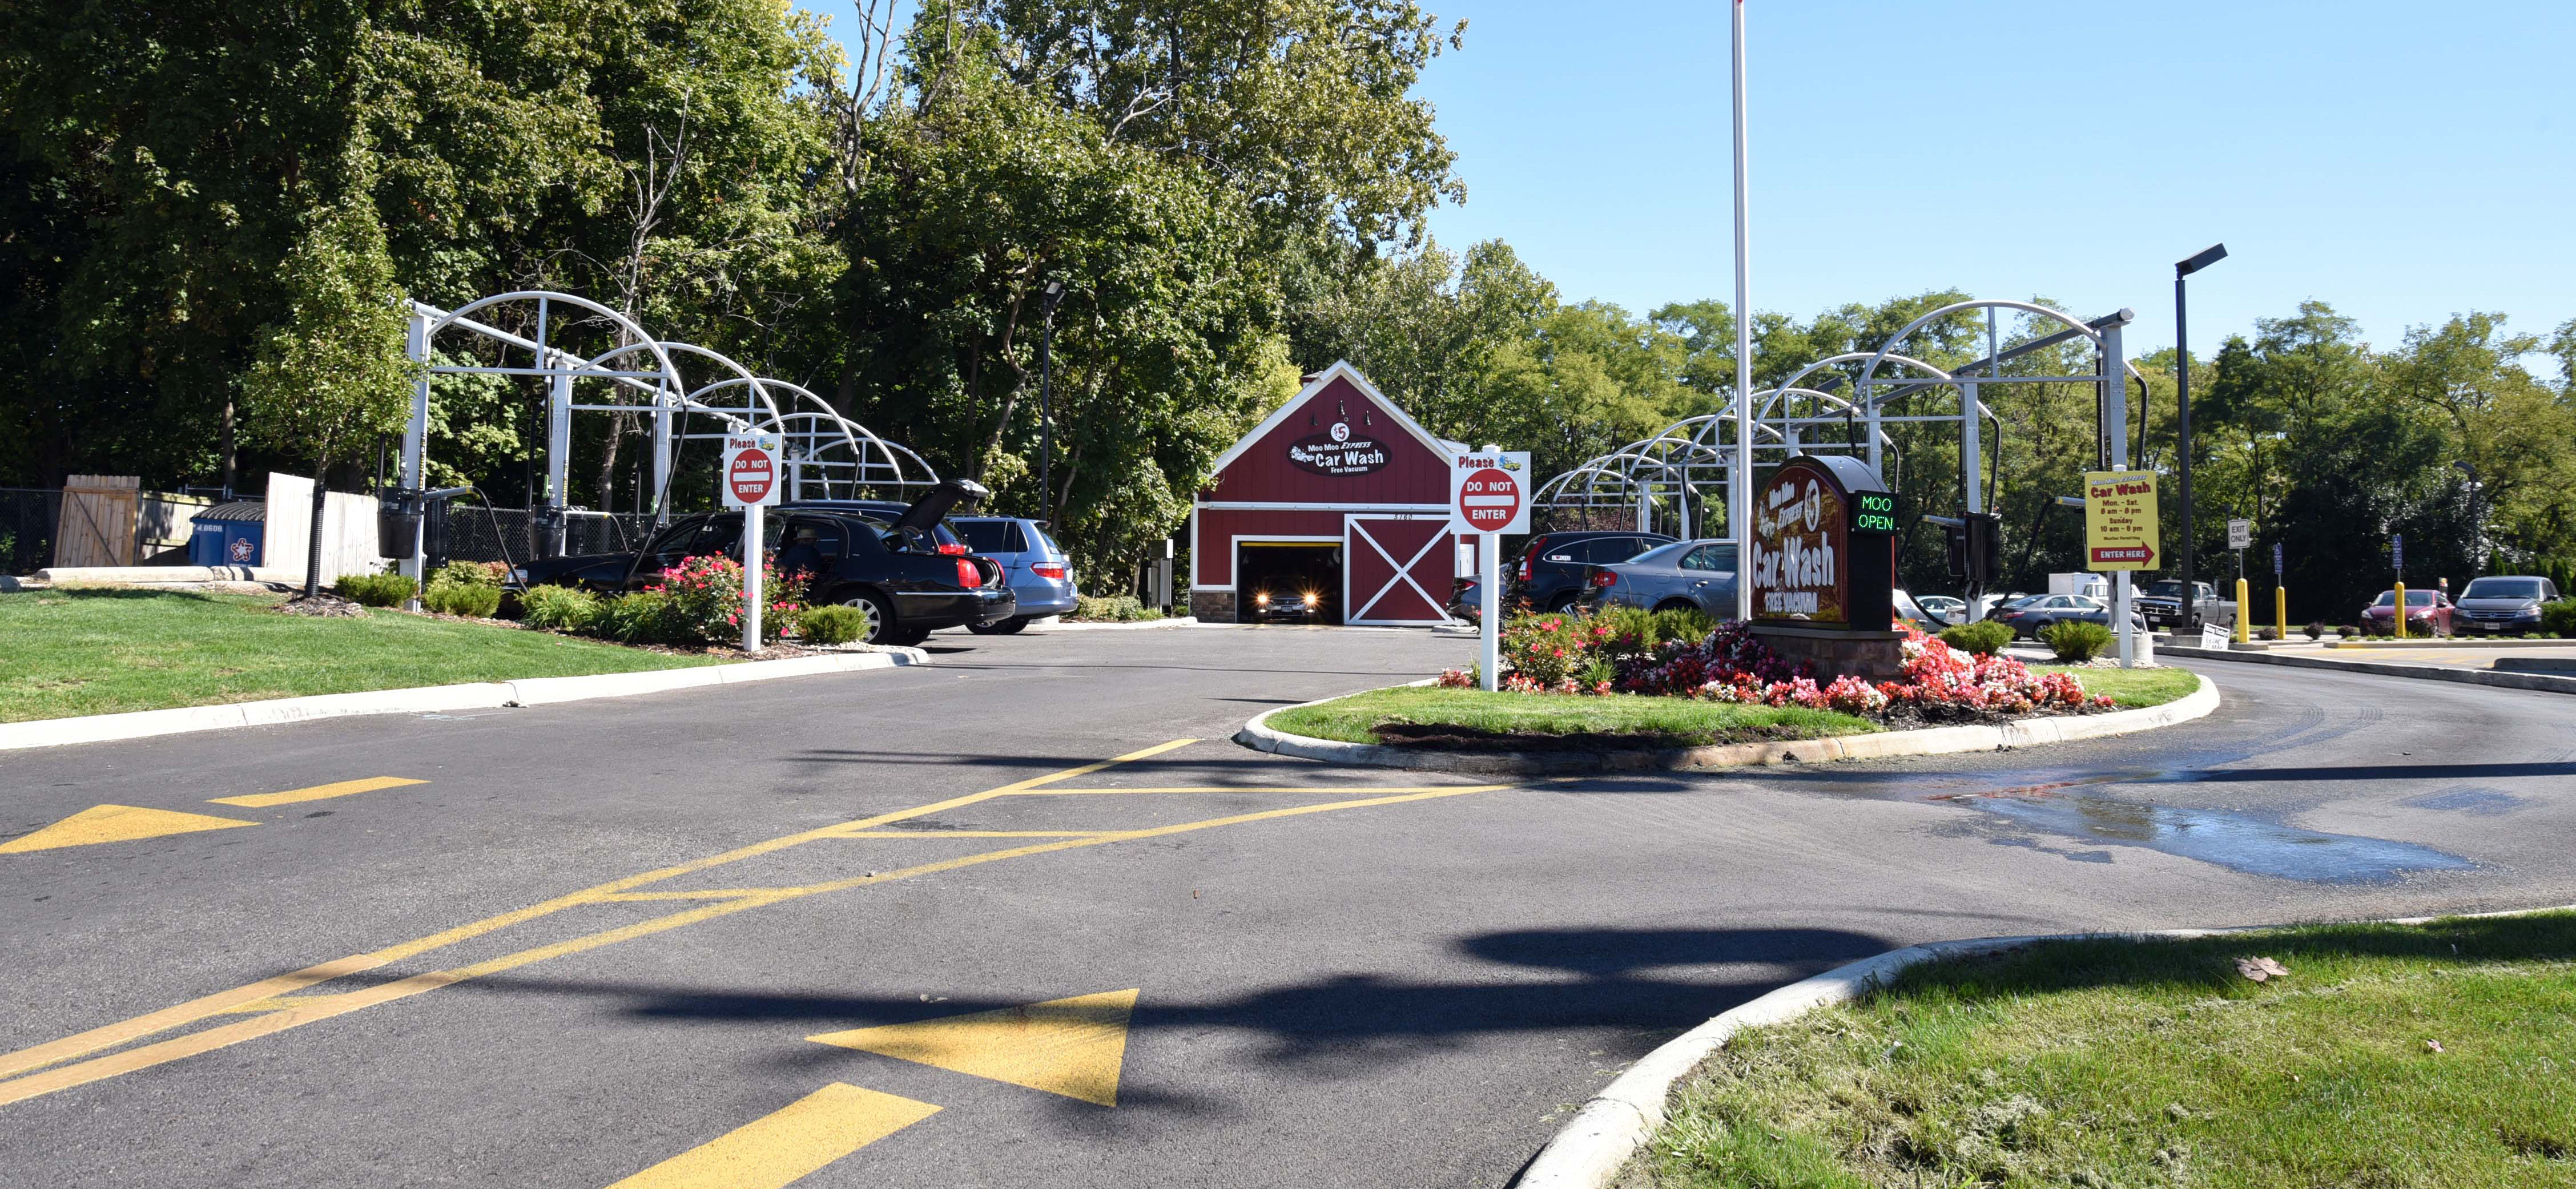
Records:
x=1413, y=473
x=1212, y=556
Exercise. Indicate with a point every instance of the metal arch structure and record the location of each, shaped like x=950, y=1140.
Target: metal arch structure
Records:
x=1664, y=477
x=642, y=378
x=653, y=374
x=1697, y=451
x=829, y=456
x=2104, y=333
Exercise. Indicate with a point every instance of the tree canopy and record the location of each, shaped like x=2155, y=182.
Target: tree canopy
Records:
x=209, y=213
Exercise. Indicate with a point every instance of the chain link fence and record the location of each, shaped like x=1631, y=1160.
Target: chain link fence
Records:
x=477, y=533
x=28, y=517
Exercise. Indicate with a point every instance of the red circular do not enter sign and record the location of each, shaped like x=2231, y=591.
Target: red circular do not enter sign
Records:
x=1489, y=499
x=752, y=475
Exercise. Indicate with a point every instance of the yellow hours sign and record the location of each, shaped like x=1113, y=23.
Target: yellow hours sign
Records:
x=2120, y=520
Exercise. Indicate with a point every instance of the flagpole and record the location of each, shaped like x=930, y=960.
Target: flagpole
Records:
x=1740, y=511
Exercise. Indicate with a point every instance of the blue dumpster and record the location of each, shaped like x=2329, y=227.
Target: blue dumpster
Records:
x=229, y=534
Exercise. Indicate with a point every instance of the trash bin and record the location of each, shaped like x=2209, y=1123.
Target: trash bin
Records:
x=231, y=534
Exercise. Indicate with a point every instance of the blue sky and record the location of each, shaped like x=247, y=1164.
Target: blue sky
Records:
x=2402, y=161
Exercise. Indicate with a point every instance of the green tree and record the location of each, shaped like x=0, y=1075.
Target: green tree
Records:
x=333, y=374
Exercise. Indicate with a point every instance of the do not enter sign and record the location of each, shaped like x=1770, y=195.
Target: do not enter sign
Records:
x=1489, y=492
x=750, y=470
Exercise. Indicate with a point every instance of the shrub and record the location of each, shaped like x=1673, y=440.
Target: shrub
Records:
x=706, y=601
x=2267, y=633
x=643, y=617
x=1113, y=609
x=454, y=598
x=375, y=590
x=2315, y=630
x=832, y=625
x=2076, y=641
x=2558, y=618
x=470, y=573
x=2348, y=632
x=558, y=608
x=1982, y=639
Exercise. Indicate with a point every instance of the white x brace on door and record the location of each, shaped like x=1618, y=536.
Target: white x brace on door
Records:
x=1378, y=588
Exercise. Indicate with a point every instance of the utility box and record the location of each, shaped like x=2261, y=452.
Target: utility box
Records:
x=231, y=534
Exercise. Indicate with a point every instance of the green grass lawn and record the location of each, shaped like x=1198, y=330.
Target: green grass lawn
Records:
x=1674, y=721
x=2114, y=1063
x=73, y=652
x=2132, y=688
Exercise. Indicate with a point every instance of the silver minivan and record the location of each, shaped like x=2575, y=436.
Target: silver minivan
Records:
x=1033, y=566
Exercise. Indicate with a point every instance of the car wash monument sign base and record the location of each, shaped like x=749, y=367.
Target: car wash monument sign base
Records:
x=1822, y=563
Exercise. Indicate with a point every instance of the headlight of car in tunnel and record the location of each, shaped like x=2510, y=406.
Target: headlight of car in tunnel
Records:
x=1311, y=598
x=1262, y=598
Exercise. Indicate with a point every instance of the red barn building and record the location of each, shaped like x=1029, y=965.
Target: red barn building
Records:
x=1339, y=495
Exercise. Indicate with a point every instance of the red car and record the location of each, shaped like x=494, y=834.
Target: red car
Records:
x=2428, y=613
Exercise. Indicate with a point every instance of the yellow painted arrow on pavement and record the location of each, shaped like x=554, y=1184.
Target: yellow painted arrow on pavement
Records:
x=1072, y=1047
x=776, y=1149
x=117, y=823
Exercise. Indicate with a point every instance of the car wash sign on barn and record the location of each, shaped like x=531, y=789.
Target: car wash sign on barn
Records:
x=1335, y=509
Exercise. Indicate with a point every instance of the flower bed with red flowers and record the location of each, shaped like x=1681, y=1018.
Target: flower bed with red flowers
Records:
x=1560, y=654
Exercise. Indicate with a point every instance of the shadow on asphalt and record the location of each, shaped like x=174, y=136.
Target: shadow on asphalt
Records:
x=1342, y=1018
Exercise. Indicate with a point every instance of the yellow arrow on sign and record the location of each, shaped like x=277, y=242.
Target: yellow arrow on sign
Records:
x=117, y=823
x=1072, y=1047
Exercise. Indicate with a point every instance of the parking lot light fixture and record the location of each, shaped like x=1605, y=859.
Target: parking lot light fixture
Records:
x=1053, y=293
x=2182, y=419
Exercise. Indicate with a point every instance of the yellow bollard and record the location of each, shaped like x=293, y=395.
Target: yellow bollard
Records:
x=2400, y=609
x=2244, y=614
x=2281, y=610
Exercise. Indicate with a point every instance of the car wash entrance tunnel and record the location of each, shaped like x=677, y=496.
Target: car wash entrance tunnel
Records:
x=1288, y=581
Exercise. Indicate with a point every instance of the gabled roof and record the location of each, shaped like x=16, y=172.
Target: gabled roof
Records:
x=1315, y=385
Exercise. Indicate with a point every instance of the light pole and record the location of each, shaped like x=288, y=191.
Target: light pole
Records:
x=1046, y=407
x=2477, y=523
x=2189, y=606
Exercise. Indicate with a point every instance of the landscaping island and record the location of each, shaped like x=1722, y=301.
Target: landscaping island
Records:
x=1633, y=681
x=2420, y=1055
x=76, y=651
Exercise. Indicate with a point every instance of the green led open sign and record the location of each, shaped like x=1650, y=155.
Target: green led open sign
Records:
x=1873, y=512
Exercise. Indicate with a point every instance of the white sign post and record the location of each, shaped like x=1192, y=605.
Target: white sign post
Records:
x=1489, y=496
x=750, y=482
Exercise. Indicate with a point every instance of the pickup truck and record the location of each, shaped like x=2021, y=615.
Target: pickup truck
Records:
x=2161, y=604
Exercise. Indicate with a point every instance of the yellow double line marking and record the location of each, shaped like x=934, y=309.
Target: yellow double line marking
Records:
x=278, y=1008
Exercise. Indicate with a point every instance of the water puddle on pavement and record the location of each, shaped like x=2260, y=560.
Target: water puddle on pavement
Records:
x=2230, y=840
x=2236, y=841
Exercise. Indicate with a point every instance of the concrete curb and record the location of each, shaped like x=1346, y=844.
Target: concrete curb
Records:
x=1175, y=621
x=2451, y=642
x=2531, y=681
x=160, y=575
x=1259, y=736
x=534, y=691
x=1617, y=1123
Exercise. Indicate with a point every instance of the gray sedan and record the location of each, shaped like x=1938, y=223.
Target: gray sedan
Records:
x=1683, y=574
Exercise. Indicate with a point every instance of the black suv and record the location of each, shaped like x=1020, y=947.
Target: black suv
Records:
x=898, y=563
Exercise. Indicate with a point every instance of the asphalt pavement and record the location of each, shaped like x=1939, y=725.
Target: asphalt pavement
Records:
x=1028, y=917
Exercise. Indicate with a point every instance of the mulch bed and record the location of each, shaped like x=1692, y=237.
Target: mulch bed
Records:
x=326, y=605
x=1452, y=737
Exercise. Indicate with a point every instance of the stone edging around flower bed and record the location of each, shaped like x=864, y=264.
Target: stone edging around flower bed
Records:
x=1615, y=1124
x=1259, y=736
x=477, y=695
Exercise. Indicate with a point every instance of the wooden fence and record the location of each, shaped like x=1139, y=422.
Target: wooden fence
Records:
x=97, y=521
